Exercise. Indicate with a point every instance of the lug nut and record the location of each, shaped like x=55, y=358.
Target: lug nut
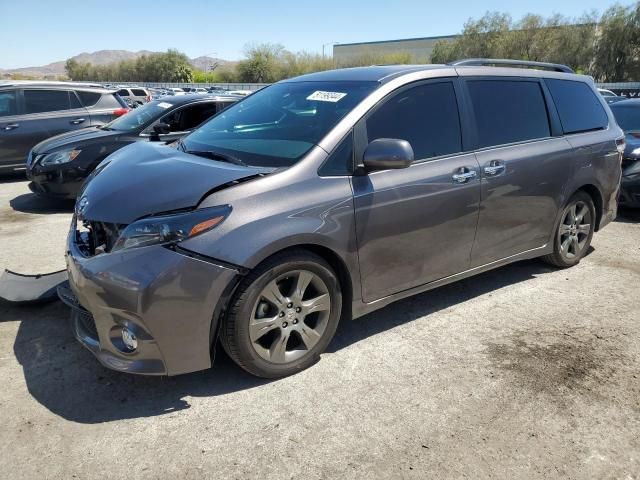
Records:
x=295, y=321
x=281, y=314
x=289, y=305
x=298, y=310
x=284, y=324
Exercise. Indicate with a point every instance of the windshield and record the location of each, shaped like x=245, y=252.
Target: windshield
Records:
x=627, y=117
x=139, y=117
x=278, y=125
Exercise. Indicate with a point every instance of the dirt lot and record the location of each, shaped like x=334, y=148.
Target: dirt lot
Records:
x=523, y=372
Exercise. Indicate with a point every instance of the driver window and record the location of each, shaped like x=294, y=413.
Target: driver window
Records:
x=426, y=116
x=187, y=118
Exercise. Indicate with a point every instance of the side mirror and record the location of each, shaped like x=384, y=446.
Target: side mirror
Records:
x=387, y=154
x=162, y=129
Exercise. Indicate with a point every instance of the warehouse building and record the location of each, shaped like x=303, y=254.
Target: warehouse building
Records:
x=419, y=48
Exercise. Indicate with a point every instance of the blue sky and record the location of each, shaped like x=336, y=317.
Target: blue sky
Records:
x=39, y=32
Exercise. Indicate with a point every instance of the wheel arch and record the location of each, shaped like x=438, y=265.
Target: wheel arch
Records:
x=596, y=195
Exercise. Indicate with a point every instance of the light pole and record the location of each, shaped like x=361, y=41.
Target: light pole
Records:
x=326, y=44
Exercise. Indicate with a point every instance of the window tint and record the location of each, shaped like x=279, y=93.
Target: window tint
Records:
x=37, y=101
x=110, y=101
x=138, y=93
x=426, y=116
x=73, y=100
x=189, y=117
x=88, y=99
x=508, y=111
x=8, y=103
x=578, y=107
x=340, y=162
x=123, y=92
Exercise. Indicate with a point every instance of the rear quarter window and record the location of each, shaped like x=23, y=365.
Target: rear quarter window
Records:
x=578, y=107
x=123, y=92
x=138, y=93
x=88, y=99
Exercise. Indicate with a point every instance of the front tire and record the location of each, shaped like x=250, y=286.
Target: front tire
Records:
x=283, y=315
x=573, y=234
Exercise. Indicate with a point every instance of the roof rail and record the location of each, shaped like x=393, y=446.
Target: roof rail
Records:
x=556, y=67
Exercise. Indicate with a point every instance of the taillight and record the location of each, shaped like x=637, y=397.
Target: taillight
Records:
x=120, y=111
x=148, y=98
x=620, y=145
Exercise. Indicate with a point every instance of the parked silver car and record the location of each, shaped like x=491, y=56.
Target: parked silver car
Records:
x=328, y=196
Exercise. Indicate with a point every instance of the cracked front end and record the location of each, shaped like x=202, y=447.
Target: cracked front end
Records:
x=148, y=310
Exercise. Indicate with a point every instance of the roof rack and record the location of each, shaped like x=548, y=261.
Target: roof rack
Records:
x=556, y=67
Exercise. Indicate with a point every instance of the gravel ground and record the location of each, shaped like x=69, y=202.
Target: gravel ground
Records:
x=523, y=372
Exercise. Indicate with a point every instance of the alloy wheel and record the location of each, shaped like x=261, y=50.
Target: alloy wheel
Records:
x=574, y=230
x=290, y=316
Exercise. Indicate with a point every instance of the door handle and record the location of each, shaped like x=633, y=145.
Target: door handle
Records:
x=77, y=121
x=11, y=126
x=495, y=167
x=463, y=175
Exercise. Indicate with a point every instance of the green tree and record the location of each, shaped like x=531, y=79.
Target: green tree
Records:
x=617, y=54
x=263, y=63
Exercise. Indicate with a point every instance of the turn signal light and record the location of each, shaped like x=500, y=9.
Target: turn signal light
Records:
x=206, y=225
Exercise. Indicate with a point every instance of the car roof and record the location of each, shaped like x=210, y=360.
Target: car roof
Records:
x=630, y=102
x=198, y=97
x=386, y=73
x=53, y=84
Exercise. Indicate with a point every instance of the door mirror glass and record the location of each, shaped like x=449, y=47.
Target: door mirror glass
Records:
x=387, y=154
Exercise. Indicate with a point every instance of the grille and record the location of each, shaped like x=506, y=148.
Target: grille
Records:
x=86, y=321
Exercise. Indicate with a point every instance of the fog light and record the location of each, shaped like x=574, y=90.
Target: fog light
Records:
x=129, y=339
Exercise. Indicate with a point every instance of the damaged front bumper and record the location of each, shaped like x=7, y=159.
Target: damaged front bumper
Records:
x=20, y=288
x=168, y=300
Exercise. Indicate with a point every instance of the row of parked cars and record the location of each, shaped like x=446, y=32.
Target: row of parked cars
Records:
x=59, y=132
x=322, y=197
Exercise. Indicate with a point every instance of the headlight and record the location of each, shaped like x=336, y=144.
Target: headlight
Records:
x=171, y=228
x=636, y=152
x=58, y=157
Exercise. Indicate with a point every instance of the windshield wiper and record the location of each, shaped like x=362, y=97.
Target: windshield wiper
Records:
x=213, y=155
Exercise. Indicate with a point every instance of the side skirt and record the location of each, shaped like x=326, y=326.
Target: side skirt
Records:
x=361, y=308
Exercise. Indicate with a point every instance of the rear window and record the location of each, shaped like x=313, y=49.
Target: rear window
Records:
x=138, y=92
x=88, y=99
x=578, y=107
x=8, y=103
x=123, y=92
x=508, y=111
x=38, y=101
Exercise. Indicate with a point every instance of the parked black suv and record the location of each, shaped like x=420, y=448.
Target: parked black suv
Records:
x=32, y=111
x=59, y=165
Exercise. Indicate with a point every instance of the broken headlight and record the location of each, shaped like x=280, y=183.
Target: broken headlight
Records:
x=162, y=229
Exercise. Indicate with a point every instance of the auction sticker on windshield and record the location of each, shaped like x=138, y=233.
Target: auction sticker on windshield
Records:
x=321, y=96
x=164, y=105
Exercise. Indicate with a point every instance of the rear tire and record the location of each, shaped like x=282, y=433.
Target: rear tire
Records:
x=283, y=315
x=574, y=232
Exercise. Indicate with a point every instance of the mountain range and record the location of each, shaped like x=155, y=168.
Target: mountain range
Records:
x=102, y=57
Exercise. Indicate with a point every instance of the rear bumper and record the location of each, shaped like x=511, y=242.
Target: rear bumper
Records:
x=165, y=298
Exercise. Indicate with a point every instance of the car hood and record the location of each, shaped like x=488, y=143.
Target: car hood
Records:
x=145, y=179
x=73, y=139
